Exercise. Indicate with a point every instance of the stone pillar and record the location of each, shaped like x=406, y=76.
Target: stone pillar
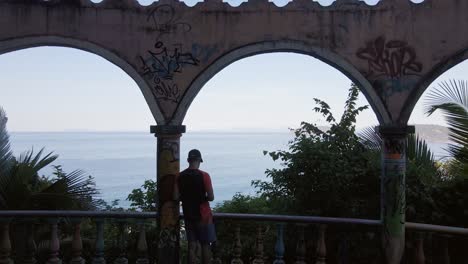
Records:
x=168, y=167
x=393, y=198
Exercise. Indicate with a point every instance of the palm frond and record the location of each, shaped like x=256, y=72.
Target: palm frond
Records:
x=6, y=155
x=6, y=158
x=452, y=100
x=448, y=92
x=72, y=190
x=418, y=151
x=370, y=138
x=23, y=180
x=37, y=162
x=416, y=148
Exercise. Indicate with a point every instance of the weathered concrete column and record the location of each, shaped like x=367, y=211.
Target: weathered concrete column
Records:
x=393, y=198
x=168, y=167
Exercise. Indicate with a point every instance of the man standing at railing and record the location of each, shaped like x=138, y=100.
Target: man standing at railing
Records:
x=195, y=193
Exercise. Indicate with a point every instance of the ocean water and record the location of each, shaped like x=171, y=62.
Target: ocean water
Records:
x=120, y=162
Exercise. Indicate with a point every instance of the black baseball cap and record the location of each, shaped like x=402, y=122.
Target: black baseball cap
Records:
x=194, y=154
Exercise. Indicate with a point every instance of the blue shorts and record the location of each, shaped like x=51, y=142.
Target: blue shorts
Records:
x=204, y=233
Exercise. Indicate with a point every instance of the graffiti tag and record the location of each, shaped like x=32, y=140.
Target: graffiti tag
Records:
x=161, y=64
x=164, y=20
x=393, y=59
x=164, y=63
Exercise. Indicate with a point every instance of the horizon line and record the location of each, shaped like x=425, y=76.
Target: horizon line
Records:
x=246, y=129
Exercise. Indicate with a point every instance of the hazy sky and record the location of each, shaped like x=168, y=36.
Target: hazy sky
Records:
x=59, y=89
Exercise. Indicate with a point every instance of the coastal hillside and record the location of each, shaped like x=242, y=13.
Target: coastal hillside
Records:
x=430, y=133
x=433, y=133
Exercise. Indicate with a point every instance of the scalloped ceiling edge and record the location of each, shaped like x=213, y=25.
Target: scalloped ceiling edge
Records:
x=302, y=3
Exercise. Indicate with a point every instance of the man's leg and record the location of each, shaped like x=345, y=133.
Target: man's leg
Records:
x=206, y=253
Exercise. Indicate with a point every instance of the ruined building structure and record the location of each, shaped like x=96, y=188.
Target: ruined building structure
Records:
x=392, y=51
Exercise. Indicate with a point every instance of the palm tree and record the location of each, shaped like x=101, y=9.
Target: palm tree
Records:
x=452, y=100
x=21, y=187
x=6, y=157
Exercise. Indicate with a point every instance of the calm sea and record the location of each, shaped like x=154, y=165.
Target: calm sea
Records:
x=120, y=162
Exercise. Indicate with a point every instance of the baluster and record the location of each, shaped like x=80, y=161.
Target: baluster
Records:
x=99, y=254
x=30, y=254
x=54, y=245
x=445, y=249
x=279, y=246
x=237, y=251
x=122, y=259
x=5, y=243
x=142, y=246
x=419, y=257
x=214, y=248
x=25, y=246
x=321, y=246
x=77, y=243
x=300, y=247
x=343, y=249
x=259, y=247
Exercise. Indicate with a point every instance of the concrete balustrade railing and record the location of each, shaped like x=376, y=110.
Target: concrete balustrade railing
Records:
x=122, y=219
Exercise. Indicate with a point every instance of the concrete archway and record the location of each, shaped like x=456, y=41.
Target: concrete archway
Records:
x=282, y=46
x=429, y=78
x=31, y=42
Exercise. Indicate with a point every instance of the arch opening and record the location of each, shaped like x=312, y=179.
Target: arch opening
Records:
x=243, y=110
x=84, y=109
x=434, y=127
x=443, y=70
x=16, y=44
x=325, y=56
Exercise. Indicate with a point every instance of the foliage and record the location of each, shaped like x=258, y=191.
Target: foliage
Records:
x=144, y=199
x=451, y=200
x=423, y=174
x=245, y=204
x=452, y=100
x=6, y=156
x=112, y=206
x=22, y=188
x=326, y=172
x=335, y=173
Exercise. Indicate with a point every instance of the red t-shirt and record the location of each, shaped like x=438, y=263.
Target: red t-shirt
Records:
x=206, y=216
x=205, y=210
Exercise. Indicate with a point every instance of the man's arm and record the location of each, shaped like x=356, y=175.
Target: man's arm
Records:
x=208, y=187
